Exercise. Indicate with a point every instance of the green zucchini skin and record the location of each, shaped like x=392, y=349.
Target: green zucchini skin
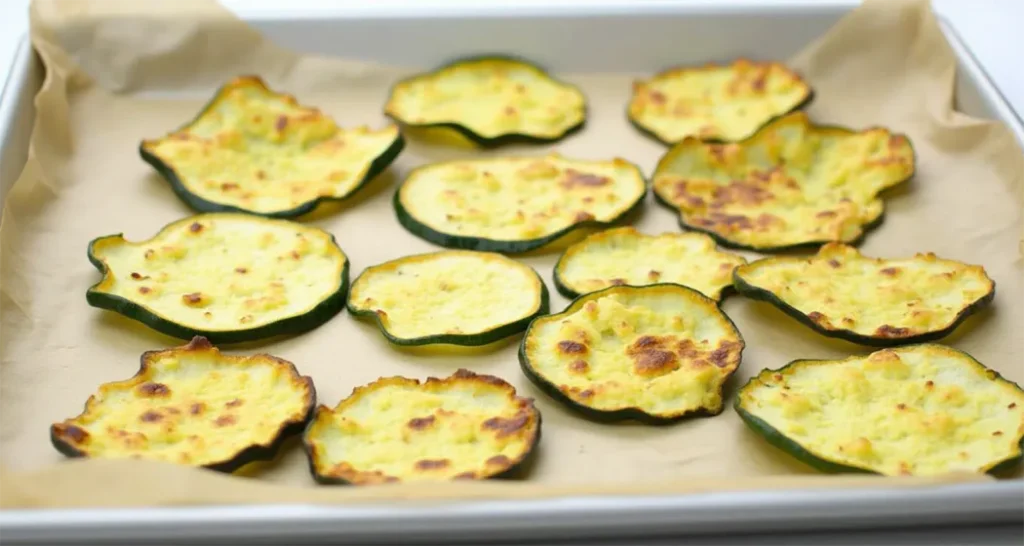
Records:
x=476, y=138
x=756, y=293
x=622, y=414
x=377, y=166
x=323, y=312
x=465, y=340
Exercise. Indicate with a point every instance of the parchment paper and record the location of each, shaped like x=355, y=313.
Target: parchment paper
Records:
x=886, y=63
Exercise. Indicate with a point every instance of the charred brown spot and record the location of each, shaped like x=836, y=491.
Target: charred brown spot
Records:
x=901, y=406
x=294, y=254
x=890, y=271
x=653, y=275
x=465, y=476
x=848, y=321
x=136, y=276
x=173, y=410
x=506, y=427
x=579, y=366
x=281, y=123
x=431, y=464
x=510, y=111
x=74, y=433
x=777, y=377
x=720, y=356
x=886, y=330
x=997, y=433
x=618, y=282
x=193, y=298
x=225, y=420
x=153, y=390
x=260, y=174
x=929, y=384
x=144, y=290
x=584, y=394
x=827, y=214
x=150, y=417
x=834, y=263
x=583, y=216
x=1012, y=405
x=759, y=82
x=499, y=460
x=149, y=253
x=816, y=316
x=575, y=178
x=246, y=319
x=729, y=221
x=570, y=347
x=657, y=97
x=196, y=227
x=197, y=408
x=228, y=186
x=654, y=361
x=420, y=423
x=241, y=270
x=234, y=403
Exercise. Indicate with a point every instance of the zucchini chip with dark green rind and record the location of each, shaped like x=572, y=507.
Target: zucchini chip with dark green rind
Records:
x=491, y=101
x=655, y=353
x=912, y=410
x=466, y=426
x=624, y=256
x=792, y=184
x=193, y=405
x=515, y=204
x=716, y=102
x=456, y=297
x=873, y=301
x=253, y=150
x=225, y=276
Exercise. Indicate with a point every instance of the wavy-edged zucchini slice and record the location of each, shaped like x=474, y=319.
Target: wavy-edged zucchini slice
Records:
x=918, y=409
x=193, y=405
x=253, y=150
x=458, y=297
x=227, y=276
x=621, y=256
x=490, y=100
x=515, y=204
x=791, y=184
x=716, y=102
x=396, y=429
x=873, y=301
x=653, y=353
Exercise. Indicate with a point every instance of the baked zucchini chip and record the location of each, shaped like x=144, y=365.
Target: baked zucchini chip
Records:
x=913, y=410
x=457, y=297
x=715, y=102
x=253, y=150
x=620, y=256
x=515, y=204
x=463, y=427
x=227, y=276
x=792, y=184
x=193, y=405
x=873, y=301
x=491, y=101
x=654, y=353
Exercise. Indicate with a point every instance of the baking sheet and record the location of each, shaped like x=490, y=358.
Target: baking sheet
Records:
x=883, y=64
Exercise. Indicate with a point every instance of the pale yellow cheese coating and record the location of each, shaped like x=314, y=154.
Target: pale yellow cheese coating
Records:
x=662, y=349
x=919, y=410
x=261, y=151
x=223, y=271
x=491, y=97
x=625, y=256
x=447, y=292
x=723, y=102
x=519, y=198
x=792, y=183
x=842, y=290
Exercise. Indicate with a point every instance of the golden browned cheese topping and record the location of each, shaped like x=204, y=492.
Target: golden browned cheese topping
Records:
x=664, y=350
x=625, y=256
x=237, y=272
x=261, y=151
x=466, y=426
x=720, y=102
x=520, y=198
x=792, y=183
x=448, y=292
x=840, y=289
x=919, y=409
x=191, y=405
x=490, y=97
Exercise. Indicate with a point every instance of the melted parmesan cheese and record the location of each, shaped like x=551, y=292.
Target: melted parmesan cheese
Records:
x=792, y=183
x=260, y=151
x=718, y=102
x=224, y=272
x=490, y=97
x=449, y=292
x=839, y=289
x=396, y=429
x=625, y=256
x=521, y=198
x=924, y=409
x=664, y=350
x=191, y=405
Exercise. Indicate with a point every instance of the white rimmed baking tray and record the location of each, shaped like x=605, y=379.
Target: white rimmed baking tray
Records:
x=570, y=36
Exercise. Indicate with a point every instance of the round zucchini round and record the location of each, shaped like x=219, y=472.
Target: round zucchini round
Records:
x=654, y=354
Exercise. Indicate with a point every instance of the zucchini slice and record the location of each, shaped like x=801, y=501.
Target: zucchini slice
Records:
x=792, y=184
x=515, y=204
x=457, y=297
x=620, y=256
x=913, y=410
x=872, y=301
x=253, y=150
x=716, y=102
x=229, y=277
x=396, y=429
x=654, y=353
x=490, y=100
x=193, y=405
